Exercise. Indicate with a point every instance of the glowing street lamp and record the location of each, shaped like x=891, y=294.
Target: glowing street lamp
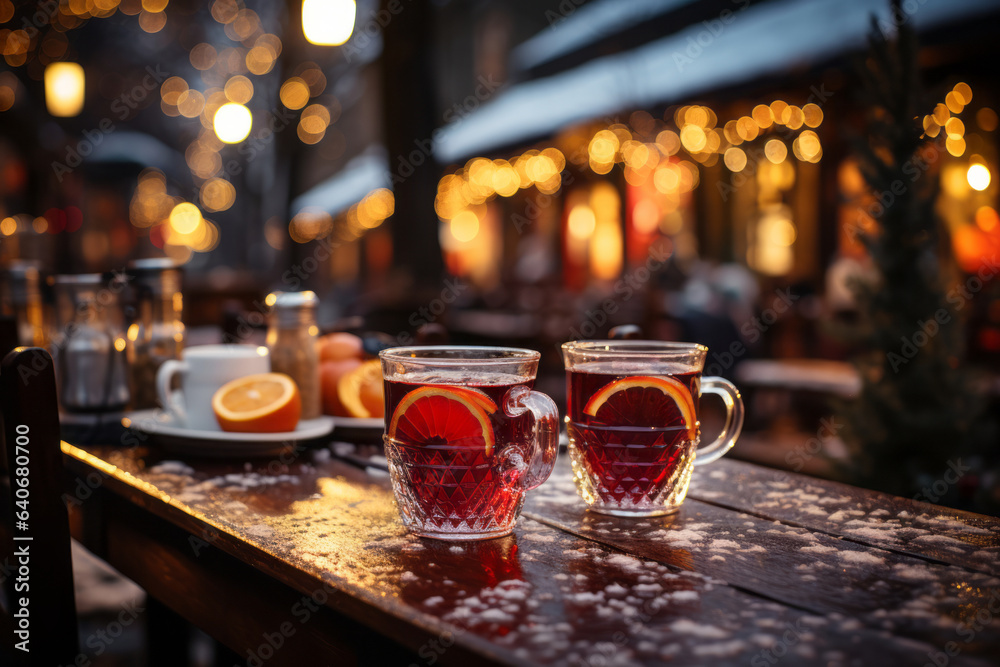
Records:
x=328, y=22
x=64, y=88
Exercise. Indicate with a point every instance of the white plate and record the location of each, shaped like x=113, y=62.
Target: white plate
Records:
x=160, y=428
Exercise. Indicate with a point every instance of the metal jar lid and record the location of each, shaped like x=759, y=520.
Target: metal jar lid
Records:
x=157, y=275
x=288, y=308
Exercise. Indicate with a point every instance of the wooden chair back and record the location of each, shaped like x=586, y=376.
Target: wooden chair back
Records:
x=39, y=624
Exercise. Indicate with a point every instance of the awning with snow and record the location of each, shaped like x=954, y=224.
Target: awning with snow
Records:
x=761, y=39
x=368, y=171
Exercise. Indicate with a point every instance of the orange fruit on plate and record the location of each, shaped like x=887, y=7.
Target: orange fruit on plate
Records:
x=353, y=387
x=340, y=345
x=371, y=390
x=263, y=403
x=330, y=373
x=437, y=415
x=641, y=400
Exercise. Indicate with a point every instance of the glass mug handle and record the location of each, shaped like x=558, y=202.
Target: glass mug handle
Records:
x=544, y=445
x=734, y=419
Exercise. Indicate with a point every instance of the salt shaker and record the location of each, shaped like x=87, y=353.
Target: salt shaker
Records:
x=291, y=337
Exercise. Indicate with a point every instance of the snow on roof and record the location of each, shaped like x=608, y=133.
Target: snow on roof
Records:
x=754, y=41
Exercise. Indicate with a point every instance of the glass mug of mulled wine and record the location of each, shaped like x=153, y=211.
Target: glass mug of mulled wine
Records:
x=632, y=420
x=465, y=437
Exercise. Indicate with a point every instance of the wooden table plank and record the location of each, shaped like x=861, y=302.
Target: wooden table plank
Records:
x=813, y=571
x=941, y=534
x=541, y=596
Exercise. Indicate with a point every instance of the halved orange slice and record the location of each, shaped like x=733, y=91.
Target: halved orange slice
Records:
x=444, y=415
x=351, y=386
x=263, y=403
x=644, y=400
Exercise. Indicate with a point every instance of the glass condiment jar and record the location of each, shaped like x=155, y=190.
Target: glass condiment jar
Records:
x=157, y=332
x=88, y=347
x=291, y=337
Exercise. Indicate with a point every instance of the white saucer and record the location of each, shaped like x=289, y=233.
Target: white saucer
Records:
x=162, y=429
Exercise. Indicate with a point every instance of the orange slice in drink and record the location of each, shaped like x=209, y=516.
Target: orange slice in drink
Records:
x=644, y=400
x=264, y=403
x=444, y=415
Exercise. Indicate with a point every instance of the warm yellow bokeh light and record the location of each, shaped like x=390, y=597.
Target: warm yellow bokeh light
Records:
x=315, y=119
x=64, y=89
x=465, y=226
x=217, y=194
x=762, y=115
x=185, y=218
x=964, y=92
x=646, y=216
x=603, y=147
x=8, y=226
x=986, y=118
x=693, y=138
x=812, y=115
x=987, y=218
x=955, y=145
x=232, y=123
x=294, y=93
x=239, y=89
x=667, y=178
x=955, y=128
x=978, y=177
x=776, y=151
x=735, y=159
x=582, y=221
x=328, y=22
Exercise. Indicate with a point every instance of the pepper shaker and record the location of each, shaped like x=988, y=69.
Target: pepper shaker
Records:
x=291, y=337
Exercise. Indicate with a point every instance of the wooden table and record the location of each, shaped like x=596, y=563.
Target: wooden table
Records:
x=305, y=562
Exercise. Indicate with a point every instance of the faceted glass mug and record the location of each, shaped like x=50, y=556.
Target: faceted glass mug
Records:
x=466, y=437
x=632, y=419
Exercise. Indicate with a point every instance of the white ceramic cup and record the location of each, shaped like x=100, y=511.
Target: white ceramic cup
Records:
x=203, y=370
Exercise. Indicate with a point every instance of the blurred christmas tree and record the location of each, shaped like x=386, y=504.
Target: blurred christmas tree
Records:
x=920, y=416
